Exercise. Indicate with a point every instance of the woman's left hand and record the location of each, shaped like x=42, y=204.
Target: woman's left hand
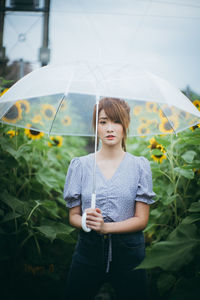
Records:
x=94, y=220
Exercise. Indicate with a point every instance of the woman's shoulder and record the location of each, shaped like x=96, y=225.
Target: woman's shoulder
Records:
x=82, y=159
x=140, y=160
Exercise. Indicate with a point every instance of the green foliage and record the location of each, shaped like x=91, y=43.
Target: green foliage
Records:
x=173, y=234
x=34, y=225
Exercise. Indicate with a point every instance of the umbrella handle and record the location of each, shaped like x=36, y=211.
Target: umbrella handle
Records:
x=83, y=223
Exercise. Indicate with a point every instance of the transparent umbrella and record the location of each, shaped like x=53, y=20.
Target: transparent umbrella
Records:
x=59, y=100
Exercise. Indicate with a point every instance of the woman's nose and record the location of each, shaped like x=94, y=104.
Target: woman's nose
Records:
x=109, y=127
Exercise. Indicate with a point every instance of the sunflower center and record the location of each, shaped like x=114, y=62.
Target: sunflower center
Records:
x=56, y=142
x=168, y=111
x=182, y=114
x=153, y=146
x=143, y=130
x=12, y=113
x=23, y=106
x=48, y=112
x=168, y=126
x=34, y=132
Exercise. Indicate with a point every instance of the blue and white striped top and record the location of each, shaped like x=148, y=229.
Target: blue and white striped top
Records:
x=132, y=181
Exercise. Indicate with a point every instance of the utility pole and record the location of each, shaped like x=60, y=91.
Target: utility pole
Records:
x=25, y=6
x=3, y=58
x=44, y=53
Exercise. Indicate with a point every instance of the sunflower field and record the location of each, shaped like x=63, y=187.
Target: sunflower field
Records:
x=173, y=233
x=36, y=240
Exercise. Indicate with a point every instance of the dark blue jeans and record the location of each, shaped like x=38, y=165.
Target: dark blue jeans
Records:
x=90, y=261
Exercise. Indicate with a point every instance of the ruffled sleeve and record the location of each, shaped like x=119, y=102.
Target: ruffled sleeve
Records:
x=72, y=188
x=144, y=191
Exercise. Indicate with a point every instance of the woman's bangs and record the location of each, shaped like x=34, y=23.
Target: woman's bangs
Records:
x=112, y=111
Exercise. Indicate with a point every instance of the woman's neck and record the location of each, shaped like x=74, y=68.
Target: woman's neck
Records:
x=110, y=153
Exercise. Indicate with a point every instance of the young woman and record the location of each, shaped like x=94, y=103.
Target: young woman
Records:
x=115, y=245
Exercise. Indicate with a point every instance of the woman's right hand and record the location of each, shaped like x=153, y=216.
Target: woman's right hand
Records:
x=94, y=219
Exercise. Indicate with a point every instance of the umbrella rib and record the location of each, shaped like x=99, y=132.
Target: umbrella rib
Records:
x=56, y=114
x=65, y=93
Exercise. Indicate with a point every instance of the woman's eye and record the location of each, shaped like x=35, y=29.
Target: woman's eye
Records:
x=102, y=122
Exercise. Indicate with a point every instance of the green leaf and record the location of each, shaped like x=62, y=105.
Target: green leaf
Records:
x=188, y=156
x=14, y=203
x=163, y=141
x=48, y=177
x=191, y=219
x=174, y=253
x=10, y=216
x=184, y=172
x=167, y=200
x=8, y=148
x=191, y=141
x=156, y=152
x=52, y=230
x=195, y=207
x=24, y=152
x=48, y=231
x=165, y=282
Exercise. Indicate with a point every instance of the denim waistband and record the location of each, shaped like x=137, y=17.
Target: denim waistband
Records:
x=96, y=236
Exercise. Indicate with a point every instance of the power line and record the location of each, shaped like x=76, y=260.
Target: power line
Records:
x=123, y=14
x=176, y=3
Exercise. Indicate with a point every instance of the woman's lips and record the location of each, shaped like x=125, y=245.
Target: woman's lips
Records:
x=110, y=137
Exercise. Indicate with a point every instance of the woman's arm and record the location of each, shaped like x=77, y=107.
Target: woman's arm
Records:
x=138, y=222
x=95, y=220
x=75, y=216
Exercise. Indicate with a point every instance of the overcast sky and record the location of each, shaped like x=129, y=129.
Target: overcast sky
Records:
x=161, y=36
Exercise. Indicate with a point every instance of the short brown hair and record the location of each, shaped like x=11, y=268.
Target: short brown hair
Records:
x=117, y=110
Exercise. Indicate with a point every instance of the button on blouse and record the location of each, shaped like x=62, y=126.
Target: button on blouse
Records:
x=116, y=197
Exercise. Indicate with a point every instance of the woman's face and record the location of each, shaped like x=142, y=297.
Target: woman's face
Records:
x=110, y=133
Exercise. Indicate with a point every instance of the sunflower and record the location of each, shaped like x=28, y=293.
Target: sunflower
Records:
x=151, y=107
x=168, y=125
x=33, y=134
x=24, y=105
x=196, y=171
x=14, y=114
x=4, y=91
x=56, y=141
x=143, y=130
x=155, y=145
x=194, y=127
x=48, y=111
x=153, y=122
x=183, y=115
x=12, y=133
x=37, y=119
x=197, y=104
x=66, y=121
x=159, y=157
x=137, y=110
x=166, y=111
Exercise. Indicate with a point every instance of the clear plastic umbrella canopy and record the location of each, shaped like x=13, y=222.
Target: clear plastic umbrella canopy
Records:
x=59, y=100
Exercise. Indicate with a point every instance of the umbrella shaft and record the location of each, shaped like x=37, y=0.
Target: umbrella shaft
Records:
x=93, y=200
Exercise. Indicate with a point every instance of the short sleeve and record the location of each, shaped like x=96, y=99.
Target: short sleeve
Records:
x=145, y=186
x=72, y=188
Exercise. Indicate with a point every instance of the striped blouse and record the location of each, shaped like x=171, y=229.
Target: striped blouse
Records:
x=116, y=197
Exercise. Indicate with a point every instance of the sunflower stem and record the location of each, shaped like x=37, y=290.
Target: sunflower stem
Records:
x=170, y=157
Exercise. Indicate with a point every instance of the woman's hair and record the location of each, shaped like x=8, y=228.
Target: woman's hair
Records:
x=117, y=110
